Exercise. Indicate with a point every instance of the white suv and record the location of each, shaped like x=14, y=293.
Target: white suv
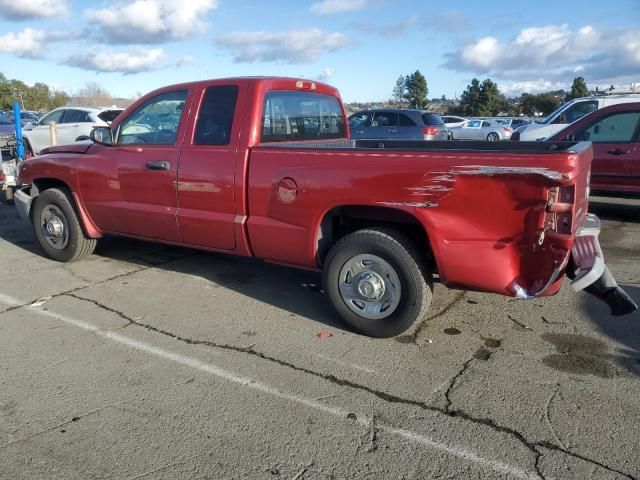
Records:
x=568, y=113
x=73, y=124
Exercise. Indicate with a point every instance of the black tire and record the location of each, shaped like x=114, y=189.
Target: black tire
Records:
x=409, y=264
x=74, y=245
x=8, y=195
x=493, y=137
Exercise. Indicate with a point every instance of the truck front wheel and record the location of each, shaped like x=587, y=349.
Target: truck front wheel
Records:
x=57, y=227
x=378, y=281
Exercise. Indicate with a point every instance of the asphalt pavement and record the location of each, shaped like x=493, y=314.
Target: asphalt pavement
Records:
x=154, y=362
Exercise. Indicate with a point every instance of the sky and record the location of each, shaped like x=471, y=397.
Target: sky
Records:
x=131, y=47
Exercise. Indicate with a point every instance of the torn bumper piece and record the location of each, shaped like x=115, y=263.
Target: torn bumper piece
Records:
x=23, y=204
x=589, y=272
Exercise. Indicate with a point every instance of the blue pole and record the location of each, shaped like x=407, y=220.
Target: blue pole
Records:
x=18, y=120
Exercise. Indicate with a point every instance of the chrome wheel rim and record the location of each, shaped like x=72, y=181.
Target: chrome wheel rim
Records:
x=54, y=227
x=370, y=286
x=493, y=137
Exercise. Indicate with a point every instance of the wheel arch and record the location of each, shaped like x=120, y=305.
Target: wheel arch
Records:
x=342, y=220
x=39, y=185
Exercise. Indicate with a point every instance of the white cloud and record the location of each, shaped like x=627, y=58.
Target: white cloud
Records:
x=30, y=43
x=514, y=89
x=296, y=46
x=151, y=21
x=32, y=9
x=329, y=7
x=125, y=62
x=326, y=74
x=450, y=21
x=553, y=53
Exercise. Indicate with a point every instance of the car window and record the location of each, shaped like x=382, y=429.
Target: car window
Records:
x=432, y=119
x=76, y=116
x=486, y=124
x=215, y=117
x=54, y=116
x=290, y=116
x=405, y=121
x=577, y=111
x=474, y=123
x=156, y=121
x=109, y=116
x=618, y=127
x=361, y=119
x=385, y=119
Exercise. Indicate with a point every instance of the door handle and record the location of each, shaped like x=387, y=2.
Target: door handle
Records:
x=158, y=165
x=618, y=151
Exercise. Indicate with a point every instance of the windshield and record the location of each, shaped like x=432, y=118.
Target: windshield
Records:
x=555, y=113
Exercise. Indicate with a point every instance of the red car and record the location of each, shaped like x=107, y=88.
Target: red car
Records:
x=615, y=134
x=264, y=167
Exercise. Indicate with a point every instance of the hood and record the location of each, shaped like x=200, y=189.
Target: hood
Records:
x=78, y=147
x=539, y=131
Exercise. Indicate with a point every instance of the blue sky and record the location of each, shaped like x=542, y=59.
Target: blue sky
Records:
x=360, y=46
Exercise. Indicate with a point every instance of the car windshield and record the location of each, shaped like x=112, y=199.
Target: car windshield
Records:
x=555, y=113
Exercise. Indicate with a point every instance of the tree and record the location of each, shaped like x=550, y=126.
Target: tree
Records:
x=416, y=90
x=578, y=89
x=483, y=100
x=93, y=94
x=539, y=104
x=399, y=91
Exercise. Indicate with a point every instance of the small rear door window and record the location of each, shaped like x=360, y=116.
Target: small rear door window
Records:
x=385, y=119
x=215, y=118
x=432, y=119
x=292, y=116
x=76, y=116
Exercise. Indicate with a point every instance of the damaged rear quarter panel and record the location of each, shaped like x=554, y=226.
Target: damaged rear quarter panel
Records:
x=482, y=211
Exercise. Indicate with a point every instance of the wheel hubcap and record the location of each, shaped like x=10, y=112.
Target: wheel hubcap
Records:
x=370, y=286
x=53, y=224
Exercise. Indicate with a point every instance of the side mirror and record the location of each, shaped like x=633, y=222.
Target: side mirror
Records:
x=102, y=136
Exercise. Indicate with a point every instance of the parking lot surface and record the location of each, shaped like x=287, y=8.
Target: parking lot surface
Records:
x=154, y=362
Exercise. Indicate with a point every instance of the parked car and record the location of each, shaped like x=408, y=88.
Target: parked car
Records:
x=397, y=124
x=615, y=134
x=476, y=129
x=512, y=123
x=266, y=169
x=568, y=113
x=28, y=117
x=73, y=124
x=452, y=121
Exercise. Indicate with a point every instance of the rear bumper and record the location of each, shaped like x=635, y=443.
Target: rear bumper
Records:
x=23, y=204
x=589, y=272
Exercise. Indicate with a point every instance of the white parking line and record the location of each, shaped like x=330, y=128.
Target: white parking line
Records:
x=253, y=384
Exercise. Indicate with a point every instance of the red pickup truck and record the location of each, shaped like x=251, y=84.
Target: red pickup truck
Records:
x=264, y=167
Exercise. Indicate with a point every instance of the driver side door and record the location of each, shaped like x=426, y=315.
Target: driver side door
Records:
x=130, y=186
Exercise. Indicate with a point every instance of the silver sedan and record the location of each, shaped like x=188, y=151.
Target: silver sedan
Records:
x=481, y=130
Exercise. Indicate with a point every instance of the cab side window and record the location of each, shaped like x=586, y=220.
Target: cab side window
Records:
x=616, y=128
x=215, y=117
x=405, y=121
x=156, y=121
x=77, y=116
x=576, y=112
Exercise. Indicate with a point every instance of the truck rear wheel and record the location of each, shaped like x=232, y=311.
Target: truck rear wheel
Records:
x=378, y=281
x=57, y=227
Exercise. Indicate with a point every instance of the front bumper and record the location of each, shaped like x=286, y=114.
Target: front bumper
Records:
x=589, y=272
x=23, y=204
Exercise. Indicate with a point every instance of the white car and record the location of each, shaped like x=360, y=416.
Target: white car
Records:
x=478, y=129
x=568, y=113
x=73, y=124
x=453, y=121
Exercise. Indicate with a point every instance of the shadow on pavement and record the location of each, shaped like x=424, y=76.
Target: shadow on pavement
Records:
x=623, y=330
x=296, y=291
x=616, y=209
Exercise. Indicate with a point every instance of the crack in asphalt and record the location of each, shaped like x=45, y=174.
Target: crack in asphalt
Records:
x=413, y=337
x=453, y=382
x=534, y=447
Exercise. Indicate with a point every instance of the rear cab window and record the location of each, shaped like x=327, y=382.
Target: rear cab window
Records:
x=292, y=116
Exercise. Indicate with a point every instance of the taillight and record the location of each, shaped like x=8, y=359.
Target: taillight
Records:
x=431, y=130
x=559, y=209
x=506, y=129
x=2, y=177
